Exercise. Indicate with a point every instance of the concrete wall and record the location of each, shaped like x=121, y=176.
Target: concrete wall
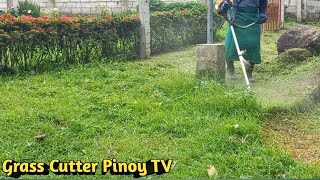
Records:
x=3, y=4
x=313, y=8
x=87, y=7
x=310, y=9
x=84, y=7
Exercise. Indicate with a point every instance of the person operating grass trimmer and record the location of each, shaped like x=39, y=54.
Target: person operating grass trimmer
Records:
x=245, y=12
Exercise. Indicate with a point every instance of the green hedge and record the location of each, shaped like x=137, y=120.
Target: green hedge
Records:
x=173, y=30
x=182, y=25
x=28, y=43
x=158, y=5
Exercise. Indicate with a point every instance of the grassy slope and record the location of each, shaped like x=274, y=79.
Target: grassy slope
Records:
x=135, y=112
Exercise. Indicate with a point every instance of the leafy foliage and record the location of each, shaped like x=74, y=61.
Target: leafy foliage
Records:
x=29, y=43
x=175, y=25
x=158, y=5
x=173, y=30
x=28, y=8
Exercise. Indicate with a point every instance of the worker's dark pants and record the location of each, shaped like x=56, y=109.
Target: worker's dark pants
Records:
x=249, y=68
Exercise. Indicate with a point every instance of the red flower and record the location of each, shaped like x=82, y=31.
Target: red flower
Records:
x=125, y=20
x=9, y=16
x=24, y=18
x=42, y=19
x=66, y=19
x=107, y=17
x=11, y=21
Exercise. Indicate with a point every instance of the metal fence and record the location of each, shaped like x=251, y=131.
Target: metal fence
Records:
x=274, y=16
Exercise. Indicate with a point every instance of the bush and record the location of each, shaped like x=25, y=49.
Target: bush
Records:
x=173, y=30
x=28, y=9
x=158, y=5
x=183, y=24
x=29, y=43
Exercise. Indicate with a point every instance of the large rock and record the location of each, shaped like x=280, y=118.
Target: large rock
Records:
x=294, y=55
x=300, y=37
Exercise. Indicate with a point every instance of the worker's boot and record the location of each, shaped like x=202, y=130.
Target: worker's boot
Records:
x=230, y=70
x=249, y=70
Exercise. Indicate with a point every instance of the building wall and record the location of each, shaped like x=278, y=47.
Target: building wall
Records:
x=84, y=7
x=310, y=8
x=3, y=4
x=313, y=8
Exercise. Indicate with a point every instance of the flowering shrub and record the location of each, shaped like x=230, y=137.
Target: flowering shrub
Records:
x=29, y=43
x=40, y=43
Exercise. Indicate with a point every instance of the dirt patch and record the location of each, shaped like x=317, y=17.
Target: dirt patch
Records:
x=303, y=145
x=298, y=131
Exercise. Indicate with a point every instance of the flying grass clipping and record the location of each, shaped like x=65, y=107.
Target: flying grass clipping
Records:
x=112, y=166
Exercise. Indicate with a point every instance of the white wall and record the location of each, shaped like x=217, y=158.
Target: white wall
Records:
x=85, y=7
x=3, y=4
x=310, y=11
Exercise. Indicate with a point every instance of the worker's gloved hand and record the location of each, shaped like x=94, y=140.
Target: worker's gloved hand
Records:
x=224, y=7
x=262, y=18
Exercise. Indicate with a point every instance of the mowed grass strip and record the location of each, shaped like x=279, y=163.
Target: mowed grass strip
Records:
x=137, y=111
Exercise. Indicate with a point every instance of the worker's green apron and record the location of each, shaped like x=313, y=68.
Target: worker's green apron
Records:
x=248, y=38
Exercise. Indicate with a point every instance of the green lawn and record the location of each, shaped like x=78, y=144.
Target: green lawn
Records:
x=137, y=111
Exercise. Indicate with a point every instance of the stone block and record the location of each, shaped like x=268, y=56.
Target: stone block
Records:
x=210, y=59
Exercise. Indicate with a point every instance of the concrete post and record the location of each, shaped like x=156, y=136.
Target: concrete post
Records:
x=9, y=4
x=210, y=22
x=3, y=5
x=211, y=60
x=12, y=3
x=305, y=9
x=299, y=11
x=145, y=41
